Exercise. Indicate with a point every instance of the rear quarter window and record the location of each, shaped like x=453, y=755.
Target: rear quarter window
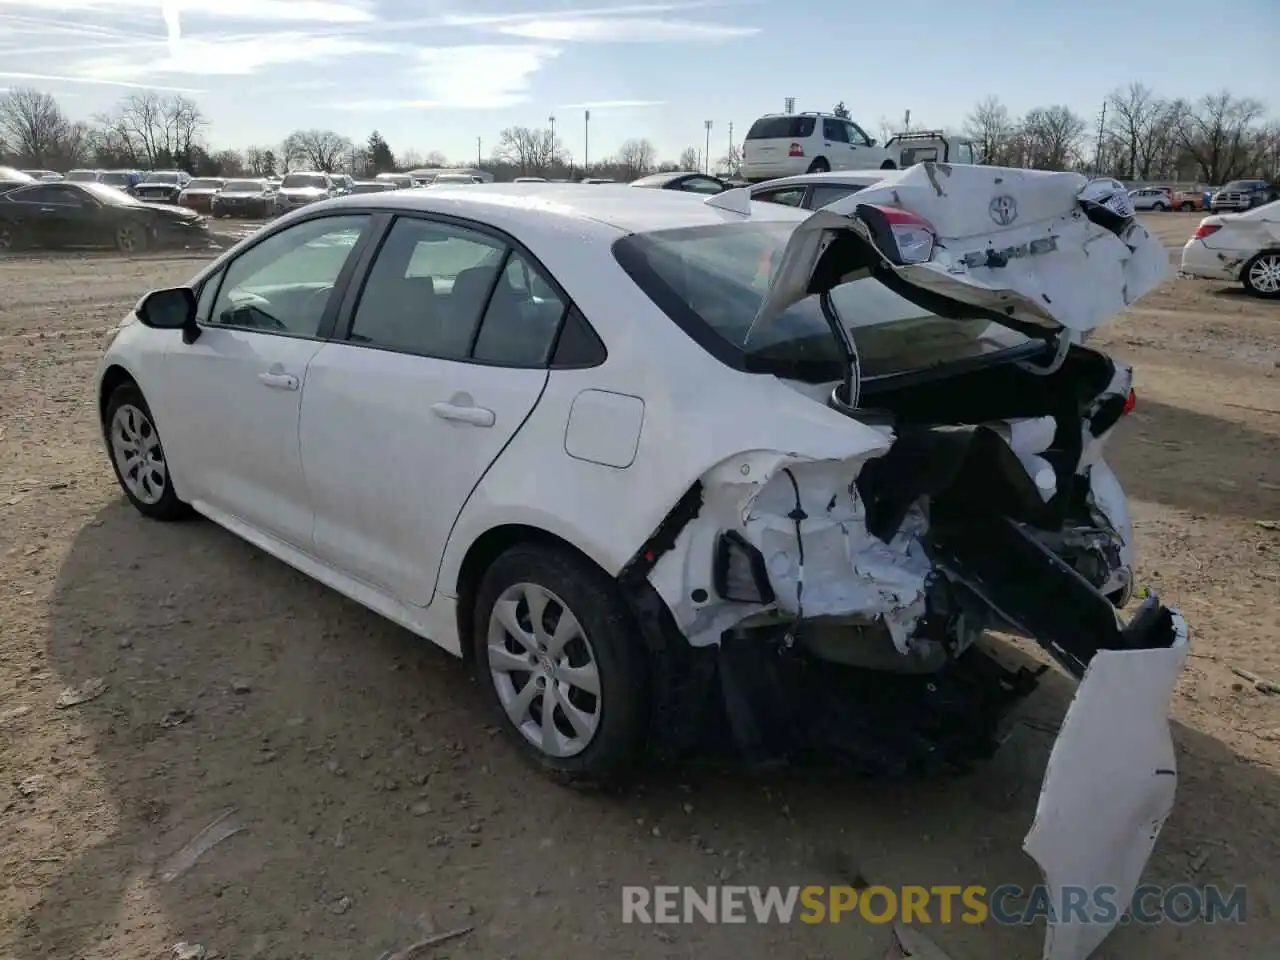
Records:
x=782, y=128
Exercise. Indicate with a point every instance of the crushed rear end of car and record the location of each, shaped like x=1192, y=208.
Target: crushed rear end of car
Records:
x=835, y=600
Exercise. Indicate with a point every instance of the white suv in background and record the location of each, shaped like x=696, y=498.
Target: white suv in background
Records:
x=785, y=144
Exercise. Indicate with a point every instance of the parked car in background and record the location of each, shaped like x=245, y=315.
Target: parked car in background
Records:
x=49, y=176
x=199, y=193
x=1240, y=247
x=809, y=191
x=1242, y=195
x=455, y=179
x=784, y=144
x=1152, y=198
x=93, y=215
x=402, y=181
x=84, y=175
x=529, y=180
x=372, y=186
x=162, y=186
x=921, y=145
x=11, y=179
x=686, y=181
x=342, y=182
x=126, y=180
x=1188, y=200
x=597, y=180
x=300, y=188
x=244, y=198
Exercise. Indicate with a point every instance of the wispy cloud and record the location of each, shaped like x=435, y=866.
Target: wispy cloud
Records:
x=622, y=30
x=239, y=56
x=52, y=78
x=611, y=104
x=317, y=11
x=480, y=77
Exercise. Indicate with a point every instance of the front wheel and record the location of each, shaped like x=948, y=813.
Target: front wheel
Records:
x=1161, y=207
x=10, y=238
x=563, y=664
x=1187, y=207
x=138, y=456
x=131, y=238
x=1261, y=276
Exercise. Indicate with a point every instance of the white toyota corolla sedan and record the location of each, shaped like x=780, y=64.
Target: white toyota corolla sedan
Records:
x=668, y=467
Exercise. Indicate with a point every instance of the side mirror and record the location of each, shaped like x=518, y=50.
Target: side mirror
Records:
x=170, y=309
x=871, y=141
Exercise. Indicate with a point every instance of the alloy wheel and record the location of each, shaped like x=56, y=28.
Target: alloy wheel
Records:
x=127, y=239
x=135, y=446
x=1264, y=274
x=544, y=670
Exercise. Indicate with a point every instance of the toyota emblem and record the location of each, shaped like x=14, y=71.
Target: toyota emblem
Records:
x=1004, y=210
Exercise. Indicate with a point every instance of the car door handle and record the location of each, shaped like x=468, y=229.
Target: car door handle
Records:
x=475, y=416
x=48, y=210
x=279, y=381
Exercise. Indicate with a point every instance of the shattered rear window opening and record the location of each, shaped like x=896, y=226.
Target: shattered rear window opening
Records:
x=711, y=280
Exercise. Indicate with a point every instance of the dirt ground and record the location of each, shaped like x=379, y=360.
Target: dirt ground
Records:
x=379, y=807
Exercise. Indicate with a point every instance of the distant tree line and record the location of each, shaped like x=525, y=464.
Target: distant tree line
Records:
x=1143, y=137
x=1139, y=136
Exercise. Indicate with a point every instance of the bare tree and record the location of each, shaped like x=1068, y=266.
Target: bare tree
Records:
x=435, y=158
x=317, y=149
x=153, y=130
x=690, y=159
x=529, y=150
x=1216, y=135
x=989, y=127
x=1135, y=114
x=33, y=124
x=637, y=157
x=1052, y=137
x=731, y=163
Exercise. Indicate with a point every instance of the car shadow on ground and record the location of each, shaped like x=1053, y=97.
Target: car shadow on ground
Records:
x=378, y=801
x=1191, y=461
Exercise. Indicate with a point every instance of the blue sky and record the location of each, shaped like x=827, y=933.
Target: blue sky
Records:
x=437, y=74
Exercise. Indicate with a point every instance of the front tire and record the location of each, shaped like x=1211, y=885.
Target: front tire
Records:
x=563, y=664
x=1160, y=207
x=138, y=457
x=10, y=238
x=1261, y=275
x=1187, y=207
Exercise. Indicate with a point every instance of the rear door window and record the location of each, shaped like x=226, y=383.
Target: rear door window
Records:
x=782, y=128
x=826, y=193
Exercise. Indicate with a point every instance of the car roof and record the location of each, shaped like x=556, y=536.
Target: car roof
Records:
x=853, y=178
x=612, y=209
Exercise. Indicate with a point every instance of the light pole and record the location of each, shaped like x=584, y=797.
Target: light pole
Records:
x=552, y=120
x=706, y=157
x=729, y=155
x=586, y=143
x=477, y=152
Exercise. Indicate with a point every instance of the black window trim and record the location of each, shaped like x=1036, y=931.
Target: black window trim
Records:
x=345, y=316
x=806, y=193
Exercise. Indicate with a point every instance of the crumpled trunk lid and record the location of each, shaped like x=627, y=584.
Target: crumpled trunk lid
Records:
x=1038, y=251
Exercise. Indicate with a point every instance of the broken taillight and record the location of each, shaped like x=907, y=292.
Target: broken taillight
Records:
x=795, y=150
x=1205, y=230
x=1130, y=402
x=904, y=237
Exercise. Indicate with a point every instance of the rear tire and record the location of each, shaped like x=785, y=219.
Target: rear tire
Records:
x=888, y=165
x=1261, y=275
x=1187, y=207
x=819, y=165
x=138, y=457
x=1161, y=207
x=592, y=665
x=11, y=238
